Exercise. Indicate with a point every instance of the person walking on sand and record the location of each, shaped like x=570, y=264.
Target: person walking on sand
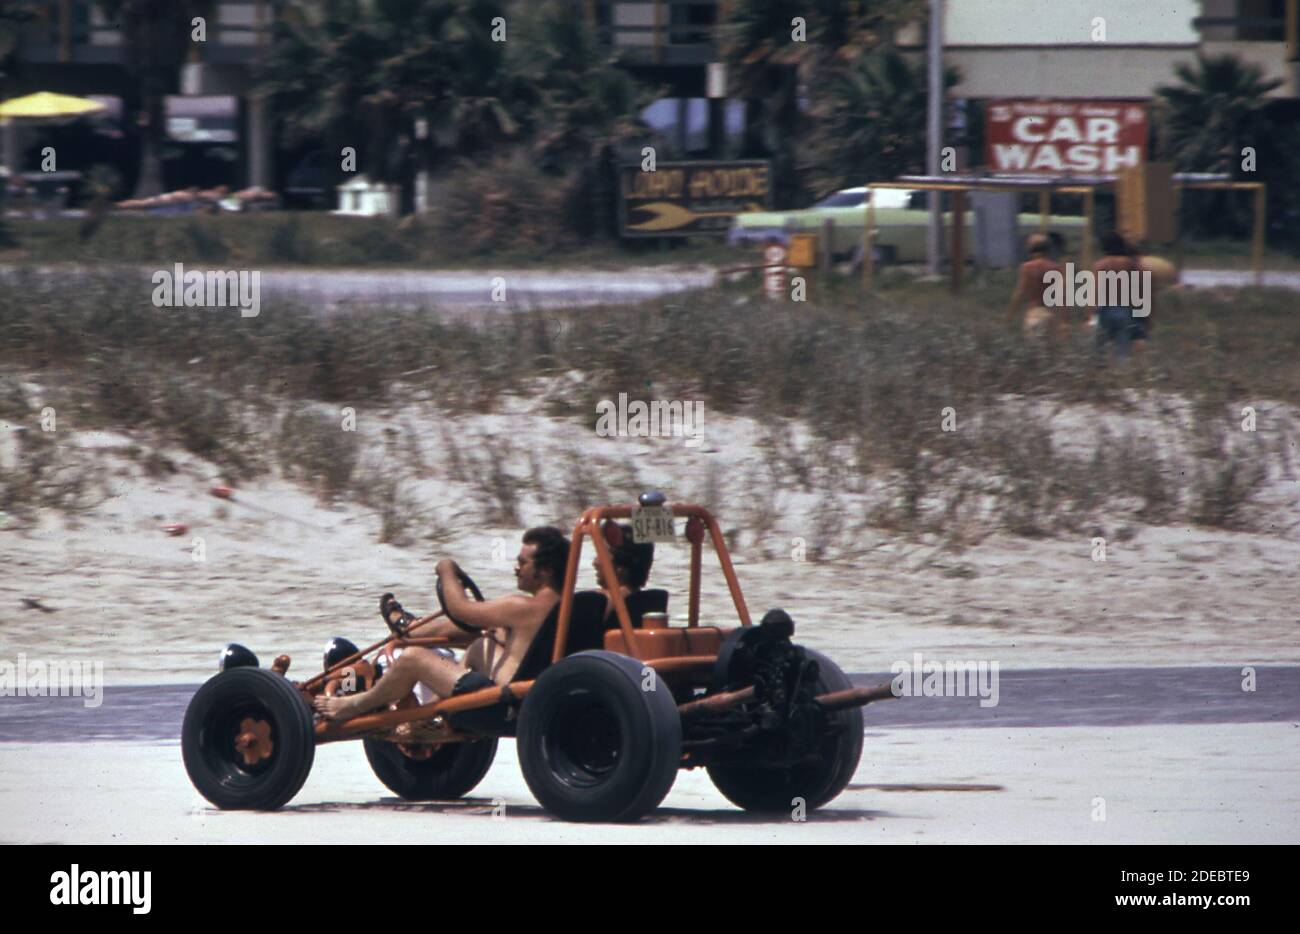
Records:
x=1031, y=290
x=1116, y=322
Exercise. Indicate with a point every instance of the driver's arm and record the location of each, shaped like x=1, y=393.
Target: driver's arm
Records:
x=502, y=613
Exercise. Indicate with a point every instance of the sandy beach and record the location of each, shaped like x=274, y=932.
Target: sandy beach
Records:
x=282, y=572
x=1187, y=784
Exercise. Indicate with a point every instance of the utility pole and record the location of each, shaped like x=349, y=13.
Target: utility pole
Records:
x=934, y=134
x=715, y=81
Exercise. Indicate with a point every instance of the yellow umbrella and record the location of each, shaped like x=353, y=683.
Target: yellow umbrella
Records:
x=46, y=105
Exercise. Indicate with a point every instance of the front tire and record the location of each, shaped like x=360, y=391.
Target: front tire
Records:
x=247, y=740
x=452, y=771
x=599, y=738
x=775, y=790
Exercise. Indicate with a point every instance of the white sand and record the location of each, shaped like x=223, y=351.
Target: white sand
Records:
x=129, y=596
x=288, y=575
x=1184, y=784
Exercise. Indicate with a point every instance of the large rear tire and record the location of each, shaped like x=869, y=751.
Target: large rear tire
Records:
x=599, y=738
x=247, y=740
x=452, y=771
x=774, y=790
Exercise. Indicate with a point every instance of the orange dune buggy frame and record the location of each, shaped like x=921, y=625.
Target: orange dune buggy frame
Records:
x=689, y=660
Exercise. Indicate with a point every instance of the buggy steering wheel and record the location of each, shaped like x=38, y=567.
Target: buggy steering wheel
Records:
x=468, y=583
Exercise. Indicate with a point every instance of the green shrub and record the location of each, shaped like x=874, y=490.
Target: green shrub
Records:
x=286, y=243
x=203, y=241
x=503, y=206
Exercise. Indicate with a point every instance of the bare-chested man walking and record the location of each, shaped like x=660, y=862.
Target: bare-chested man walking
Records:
x=508, y=625
x=1031, y=290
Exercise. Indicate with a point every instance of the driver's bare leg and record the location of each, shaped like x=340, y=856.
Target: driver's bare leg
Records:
x=414, y=664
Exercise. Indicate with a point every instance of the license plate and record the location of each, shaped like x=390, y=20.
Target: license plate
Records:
x=652, y=524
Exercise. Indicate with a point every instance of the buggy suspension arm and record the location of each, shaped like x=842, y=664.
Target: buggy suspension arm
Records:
x=856, y=697
x=327, y=731
x=836, y=700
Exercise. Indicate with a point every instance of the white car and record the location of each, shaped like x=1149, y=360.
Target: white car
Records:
x=901, y=220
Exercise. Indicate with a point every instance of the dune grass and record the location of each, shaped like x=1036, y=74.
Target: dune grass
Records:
x=873, y=379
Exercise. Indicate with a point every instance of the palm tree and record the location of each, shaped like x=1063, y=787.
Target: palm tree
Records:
x=156, y=39
x=586, y=115
x=869, y=121
x=767, y=65
x=1204, y=123
x=585, y=103
x=367, y=73
x=362, y=73
x=1218, y=108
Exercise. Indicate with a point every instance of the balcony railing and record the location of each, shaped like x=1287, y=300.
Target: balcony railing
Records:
x=77, y=32
x=661, y=32
x=1285, y=28
x=667, y=32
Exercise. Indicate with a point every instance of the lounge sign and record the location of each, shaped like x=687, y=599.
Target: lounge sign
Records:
x=690, y=198
x=1081, y=137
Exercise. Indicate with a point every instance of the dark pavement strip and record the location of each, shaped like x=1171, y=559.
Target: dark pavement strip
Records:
x=1056, y=697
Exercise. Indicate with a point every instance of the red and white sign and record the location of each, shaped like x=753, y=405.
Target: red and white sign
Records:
x=1080, y=137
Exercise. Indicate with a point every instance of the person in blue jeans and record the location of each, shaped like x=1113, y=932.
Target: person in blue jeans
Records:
x=1116, y=323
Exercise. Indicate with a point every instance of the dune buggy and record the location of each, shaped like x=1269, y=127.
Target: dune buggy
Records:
x=604, y=713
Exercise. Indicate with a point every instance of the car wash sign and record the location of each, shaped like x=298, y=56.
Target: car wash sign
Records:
x=1079, y=137
x=690, y=198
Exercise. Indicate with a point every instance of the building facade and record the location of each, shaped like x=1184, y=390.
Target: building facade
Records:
x=73, y=48
x=1121, y=49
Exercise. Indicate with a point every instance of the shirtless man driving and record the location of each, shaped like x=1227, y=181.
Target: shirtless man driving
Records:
x=508, y=625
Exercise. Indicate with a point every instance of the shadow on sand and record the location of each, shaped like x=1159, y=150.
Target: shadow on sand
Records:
x=934, y=786
x=487, y=806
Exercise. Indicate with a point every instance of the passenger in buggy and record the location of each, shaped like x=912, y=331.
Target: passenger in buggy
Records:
x=632, y=563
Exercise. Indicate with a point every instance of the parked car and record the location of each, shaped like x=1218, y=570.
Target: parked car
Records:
x=901, y=219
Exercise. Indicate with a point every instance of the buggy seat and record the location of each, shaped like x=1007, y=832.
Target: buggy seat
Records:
x=586, y=631
x=641, y=603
